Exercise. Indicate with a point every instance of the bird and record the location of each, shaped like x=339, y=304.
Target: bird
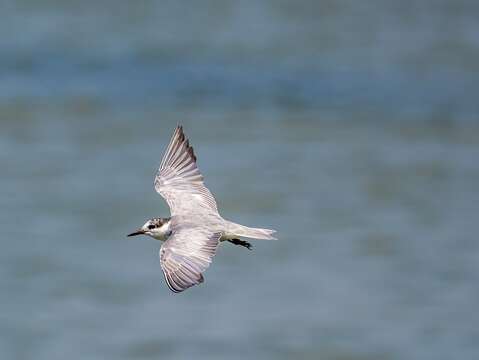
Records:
x=194, y=230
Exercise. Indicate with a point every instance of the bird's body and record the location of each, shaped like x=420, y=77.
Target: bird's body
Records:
x=193, y=232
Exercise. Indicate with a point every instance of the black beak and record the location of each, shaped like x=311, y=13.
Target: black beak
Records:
x=138, y=232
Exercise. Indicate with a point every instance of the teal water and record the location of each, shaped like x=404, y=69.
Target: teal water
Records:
x=351, y=128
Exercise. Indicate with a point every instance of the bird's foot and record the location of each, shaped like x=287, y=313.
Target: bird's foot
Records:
x=242, y=243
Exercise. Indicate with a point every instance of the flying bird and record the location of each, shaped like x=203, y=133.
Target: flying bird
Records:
x=195, y=228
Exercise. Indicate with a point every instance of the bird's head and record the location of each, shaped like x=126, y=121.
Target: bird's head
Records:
x=157, y=228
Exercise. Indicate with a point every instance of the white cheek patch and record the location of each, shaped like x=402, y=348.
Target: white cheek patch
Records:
x=164, y=229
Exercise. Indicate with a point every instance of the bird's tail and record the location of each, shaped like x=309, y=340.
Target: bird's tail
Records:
x=254, y=233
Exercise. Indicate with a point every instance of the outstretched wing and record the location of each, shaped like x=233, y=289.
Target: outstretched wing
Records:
x=179, y=180
x=185, y=255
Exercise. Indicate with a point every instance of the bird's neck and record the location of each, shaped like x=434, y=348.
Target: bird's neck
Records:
x=163, y=232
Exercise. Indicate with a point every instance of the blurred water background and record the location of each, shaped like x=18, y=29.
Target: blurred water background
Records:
x=351, y=127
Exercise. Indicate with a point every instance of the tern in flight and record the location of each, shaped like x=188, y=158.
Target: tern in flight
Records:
x=193, y=232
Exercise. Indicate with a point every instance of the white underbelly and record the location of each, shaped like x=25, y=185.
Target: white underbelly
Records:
x=227, y=236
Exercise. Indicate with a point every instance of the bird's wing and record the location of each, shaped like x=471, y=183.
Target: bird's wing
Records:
x=185, y=255
x=179, y=180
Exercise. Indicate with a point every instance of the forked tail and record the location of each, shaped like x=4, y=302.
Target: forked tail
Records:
x=254, y=233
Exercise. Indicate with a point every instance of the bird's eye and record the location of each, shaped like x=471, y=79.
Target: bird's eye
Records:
x=151, y=227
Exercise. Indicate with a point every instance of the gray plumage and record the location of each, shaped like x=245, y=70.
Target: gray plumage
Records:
x=195, y=229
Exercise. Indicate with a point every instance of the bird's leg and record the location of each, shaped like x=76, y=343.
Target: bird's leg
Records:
x=241, y=242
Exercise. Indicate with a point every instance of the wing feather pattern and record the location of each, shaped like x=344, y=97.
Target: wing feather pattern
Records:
x=179, y=180
x=186, y=255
